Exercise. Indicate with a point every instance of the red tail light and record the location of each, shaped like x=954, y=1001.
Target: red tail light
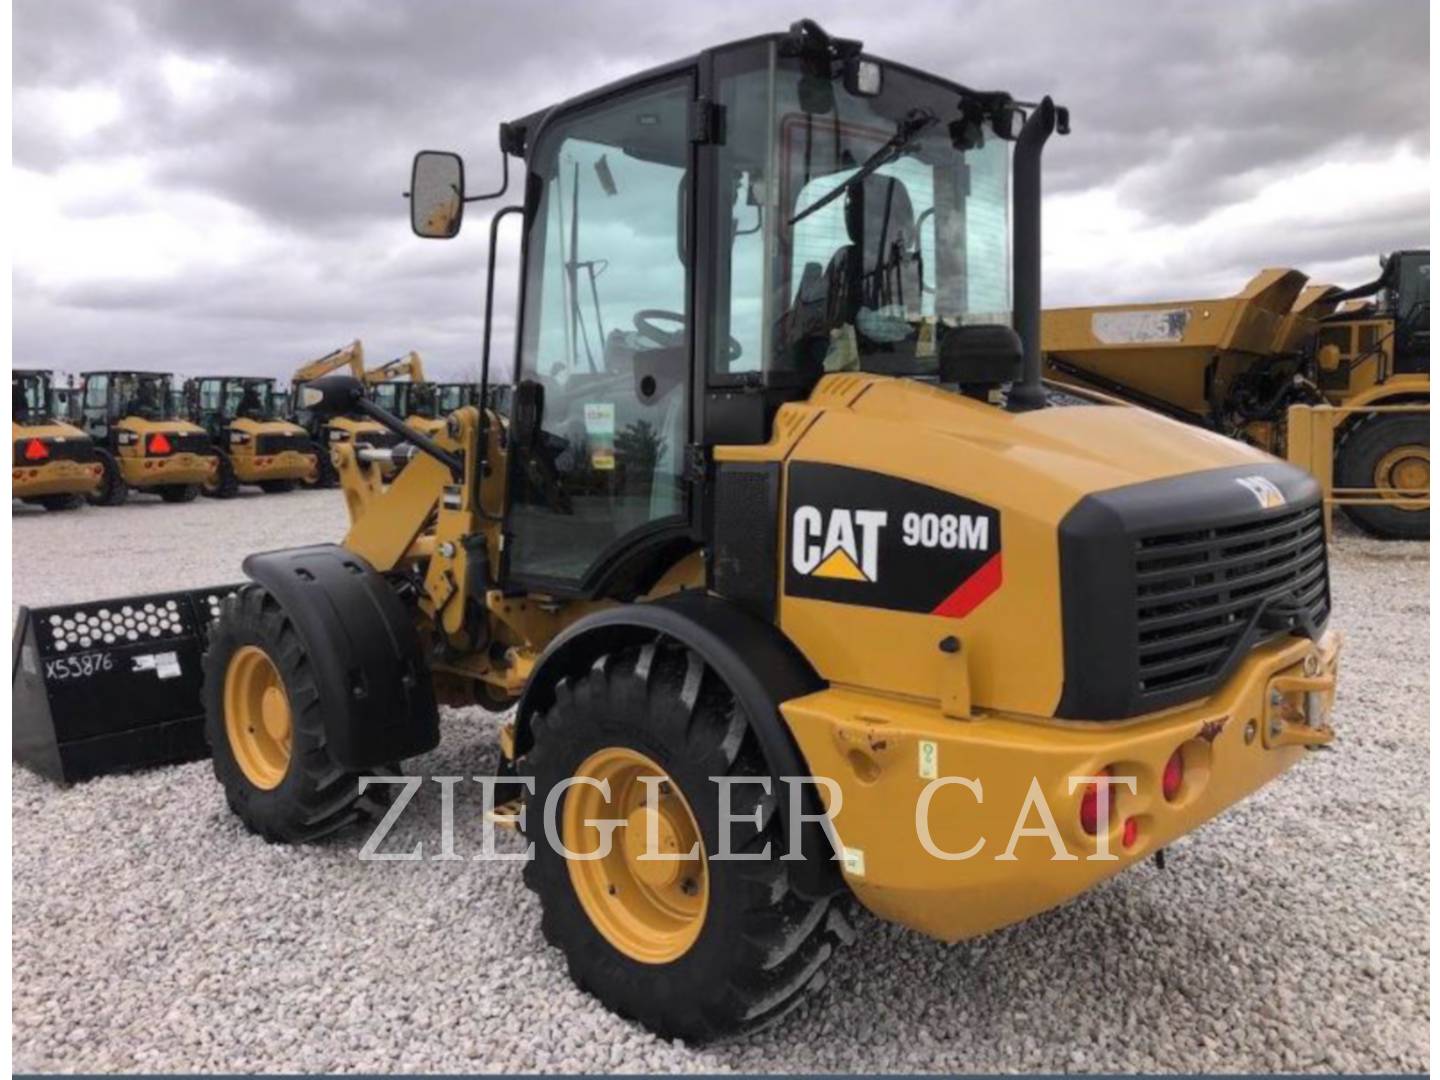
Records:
x=1090, y=805
x=35, y=451
x=1173, y=776
x=159, y=444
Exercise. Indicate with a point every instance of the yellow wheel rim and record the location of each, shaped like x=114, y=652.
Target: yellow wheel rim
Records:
x=1401, y=473
x=652, y=910
x=257, y=717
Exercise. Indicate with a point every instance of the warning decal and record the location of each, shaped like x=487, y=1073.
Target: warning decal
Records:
x=858, y=537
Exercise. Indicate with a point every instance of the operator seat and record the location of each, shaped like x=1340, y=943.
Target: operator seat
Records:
x=873, y=283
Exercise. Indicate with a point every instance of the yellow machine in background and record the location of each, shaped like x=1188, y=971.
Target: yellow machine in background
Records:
x=1337, y=381
x=401, y=389
x=142, y=443
x=253, y=444
x=330, y=432
x=54, y=464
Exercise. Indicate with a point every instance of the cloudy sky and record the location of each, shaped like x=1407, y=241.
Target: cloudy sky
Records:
x=206, y=184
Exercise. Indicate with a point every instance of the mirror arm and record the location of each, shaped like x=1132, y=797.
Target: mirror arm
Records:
x=504, y=182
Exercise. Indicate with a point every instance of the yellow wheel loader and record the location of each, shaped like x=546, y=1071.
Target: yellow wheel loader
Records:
x=141, y=443
x=327, y=433
x=53, y=464
x=1336, y=381
x=804, y=590
x=252, y=443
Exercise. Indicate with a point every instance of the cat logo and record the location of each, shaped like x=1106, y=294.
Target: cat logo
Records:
x=845, y=548
x=1266, y=493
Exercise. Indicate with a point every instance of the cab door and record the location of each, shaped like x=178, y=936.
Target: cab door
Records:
x=598, y=484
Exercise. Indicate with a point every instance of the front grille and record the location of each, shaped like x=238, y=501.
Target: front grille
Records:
x=1204, y=594
x=72, y=449
x=1167, y=584
x=279, y=443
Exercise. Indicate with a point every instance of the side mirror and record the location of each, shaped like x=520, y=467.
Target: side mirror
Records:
x=437, y=194
x=527, y=404
x=978, y=358
x=333, y=395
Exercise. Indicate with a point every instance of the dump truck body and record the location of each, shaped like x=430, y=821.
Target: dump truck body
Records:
x=1349, y=377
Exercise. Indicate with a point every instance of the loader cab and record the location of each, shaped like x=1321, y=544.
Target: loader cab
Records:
x=214, y=402
x=435, y=401
x=30, y=397
x=396, y=398
x=702, y=243
x=107, y=397
x=1405, y=297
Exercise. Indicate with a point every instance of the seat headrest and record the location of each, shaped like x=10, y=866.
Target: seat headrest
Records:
x=879, y=215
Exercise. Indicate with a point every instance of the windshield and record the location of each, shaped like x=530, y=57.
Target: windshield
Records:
x=29, y=395
x=452, y=397
x=250, y=398
x=392, y=397
x=145, y=396
x=860, y=228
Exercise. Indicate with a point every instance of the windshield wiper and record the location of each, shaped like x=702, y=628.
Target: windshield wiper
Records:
x=908, y=130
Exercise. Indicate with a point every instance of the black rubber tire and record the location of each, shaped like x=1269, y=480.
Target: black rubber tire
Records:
x=59, y=502
x=277, y=487
x=227, y=484
x=317, y=798
x=179, y=493
x=113, y=491
x=326, y=475
x=763, y=946
x=1358, y=455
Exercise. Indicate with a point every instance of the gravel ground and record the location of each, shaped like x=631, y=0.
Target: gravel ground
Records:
x=152, y=933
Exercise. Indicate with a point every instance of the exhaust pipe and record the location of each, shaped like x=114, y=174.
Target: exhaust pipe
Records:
x=1025, y=239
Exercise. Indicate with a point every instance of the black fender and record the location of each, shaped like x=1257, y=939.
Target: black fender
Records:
x=376, y=695
x=759, y=664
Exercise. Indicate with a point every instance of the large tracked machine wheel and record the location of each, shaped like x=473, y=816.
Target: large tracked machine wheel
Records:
x=223, y=483
x=692, y=949
x=325, y=474
x=1392, y=455
x=263, y=723
x=112, y=490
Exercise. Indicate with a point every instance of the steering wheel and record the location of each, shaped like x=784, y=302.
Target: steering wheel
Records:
x=670, y=339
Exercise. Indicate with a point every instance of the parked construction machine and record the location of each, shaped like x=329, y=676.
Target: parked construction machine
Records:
x=53, y=464
x=401, y=389
x=1336, y=380
x=328, y=432
x=253, y=443
x=806, y=589
x=141, y=442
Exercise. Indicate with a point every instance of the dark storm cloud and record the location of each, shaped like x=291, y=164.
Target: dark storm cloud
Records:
x=303, y=117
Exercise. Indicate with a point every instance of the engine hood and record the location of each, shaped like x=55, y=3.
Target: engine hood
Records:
x=920, y=525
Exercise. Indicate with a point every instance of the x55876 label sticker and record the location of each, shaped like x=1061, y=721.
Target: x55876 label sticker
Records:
x=859, y=537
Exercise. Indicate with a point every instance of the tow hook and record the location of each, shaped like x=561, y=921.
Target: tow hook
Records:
x=1297, y=710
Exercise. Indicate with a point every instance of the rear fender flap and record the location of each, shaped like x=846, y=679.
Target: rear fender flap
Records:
x=376, y=696
x=752, y=657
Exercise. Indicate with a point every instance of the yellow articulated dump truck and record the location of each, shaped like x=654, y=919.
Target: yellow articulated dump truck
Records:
x=54, y=464
x=143, y=444
x=805, y=591
x=253, y=443
x=1335, y=380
